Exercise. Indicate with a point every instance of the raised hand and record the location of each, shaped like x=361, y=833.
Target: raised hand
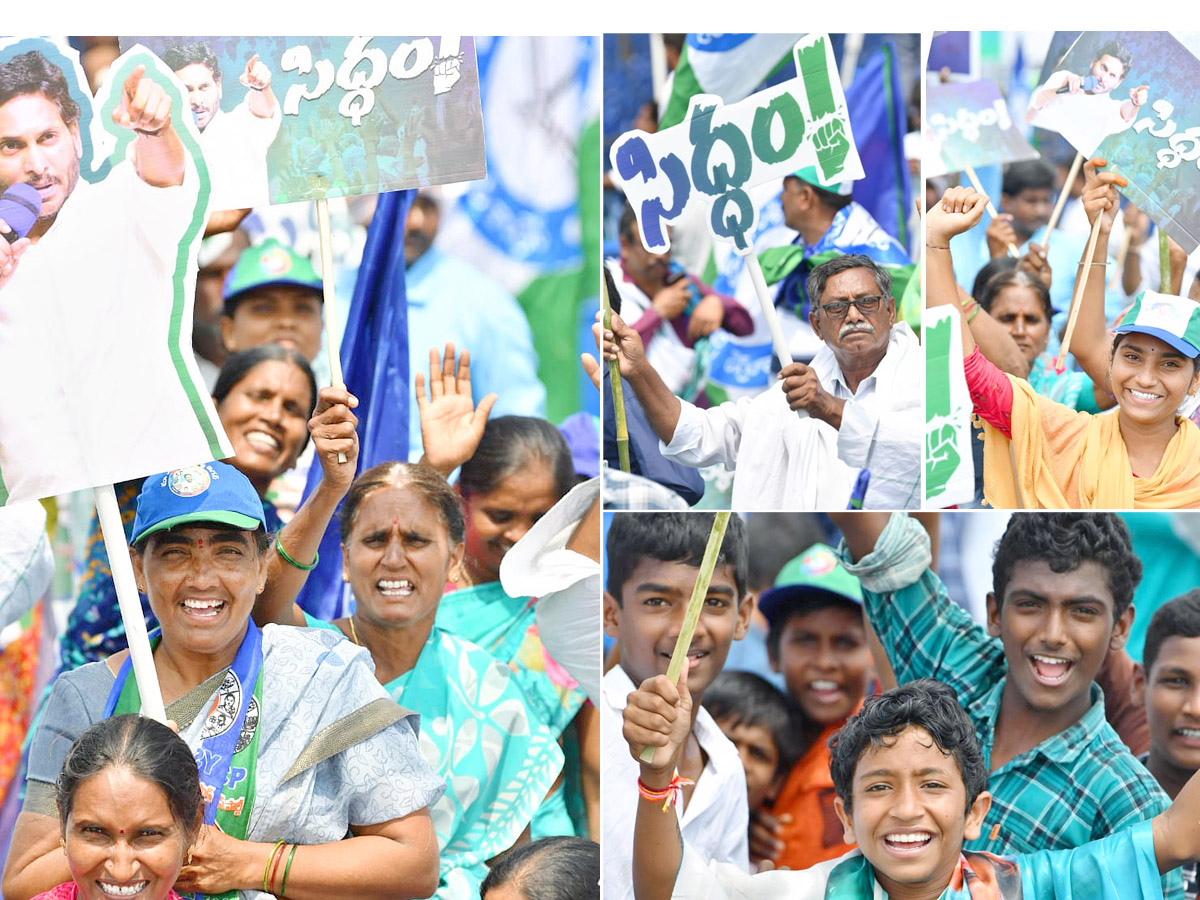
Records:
x=960, y=210
x=1100, y=192
x=621, y=343
x=257, y=76
x=145, y=105
x=333, y=428
x=451, y=424
x=658, y=714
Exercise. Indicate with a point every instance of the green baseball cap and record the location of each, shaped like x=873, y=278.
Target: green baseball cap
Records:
x=809, y=175
x=1175, y=320
x=816, y=573
x=270, y=262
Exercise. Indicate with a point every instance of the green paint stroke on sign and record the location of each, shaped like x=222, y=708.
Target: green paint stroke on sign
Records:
x=941, y=455
x=815, y=72
x=788, y=110
x=937, y=364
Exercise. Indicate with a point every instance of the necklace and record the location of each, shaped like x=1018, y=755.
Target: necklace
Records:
x=354, y=632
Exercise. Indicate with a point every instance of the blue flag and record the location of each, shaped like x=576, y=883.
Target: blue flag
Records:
x=374, y=358
x=877, y=117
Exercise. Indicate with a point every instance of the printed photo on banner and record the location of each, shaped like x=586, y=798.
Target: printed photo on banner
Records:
x=283, y=119
x=104, y=206
x=1134, y=104
x=968, y=125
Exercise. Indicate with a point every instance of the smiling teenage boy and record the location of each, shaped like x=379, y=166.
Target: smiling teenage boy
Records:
x=911, y=781
x=817, y=640
x=653, y=560
x=1062, y=587
x=1169, y=688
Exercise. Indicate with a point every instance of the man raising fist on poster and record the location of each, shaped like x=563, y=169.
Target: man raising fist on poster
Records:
x=89, y=295
x=235, y=142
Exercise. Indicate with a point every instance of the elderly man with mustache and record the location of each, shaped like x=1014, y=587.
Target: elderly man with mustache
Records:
x=858, y=405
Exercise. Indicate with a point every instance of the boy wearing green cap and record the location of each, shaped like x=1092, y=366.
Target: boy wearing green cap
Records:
x=273, y=296
x=817, y=640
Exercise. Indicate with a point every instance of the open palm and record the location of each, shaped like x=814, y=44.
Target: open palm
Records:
x=451, y=424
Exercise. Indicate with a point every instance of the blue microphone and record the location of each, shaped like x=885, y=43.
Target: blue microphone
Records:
x=20, y=207
x=1089, y=85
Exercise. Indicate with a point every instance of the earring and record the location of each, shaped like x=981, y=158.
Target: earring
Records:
x=189, y=856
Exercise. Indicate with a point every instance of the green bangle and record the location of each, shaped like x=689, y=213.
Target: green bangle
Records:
x=287, y=559
x=286, y=867
x=973, y=314
x=271, y=859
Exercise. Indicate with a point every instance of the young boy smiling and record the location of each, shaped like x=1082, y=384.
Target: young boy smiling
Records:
x=653, y=560
x=817, y=640
x=1062, y=587
x=1170, y=690
x=910, y=778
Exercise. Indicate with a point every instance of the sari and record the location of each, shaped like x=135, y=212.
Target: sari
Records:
x=1063, y=459
x=334, y=750
x=506, y=627
x=498, y=756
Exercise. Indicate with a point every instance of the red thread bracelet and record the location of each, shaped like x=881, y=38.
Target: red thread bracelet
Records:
x=670, y=795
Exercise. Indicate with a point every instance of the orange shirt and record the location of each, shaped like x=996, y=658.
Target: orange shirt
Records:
x=815, y=833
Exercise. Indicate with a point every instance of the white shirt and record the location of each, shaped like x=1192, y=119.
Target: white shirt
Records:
x=715, y=822
x=84, y=333
x=789, y=461
x=235, y=148
x=567, y=585
x=1083, y=119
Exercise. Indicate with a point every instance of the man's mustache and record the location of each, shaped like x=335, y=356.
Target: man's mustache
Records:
x=850, y=327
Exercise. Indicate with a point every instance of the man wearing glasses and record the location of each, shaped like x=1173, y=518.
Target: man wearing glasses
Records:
x=857, y=406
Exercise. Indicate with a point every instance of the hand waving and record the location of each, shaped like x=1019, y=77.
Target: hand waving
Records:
x=451, y=424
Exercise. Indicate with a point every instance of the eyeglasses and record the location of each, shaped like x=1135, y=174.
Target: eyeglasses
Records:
x=839, y=308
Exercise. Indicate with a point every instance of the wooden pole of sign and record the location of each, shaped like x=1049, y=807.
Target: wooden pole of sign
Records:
x=1077, y=294
x=695, y=605
x=767, y=304
x=1062, y=197
x=970, y=173
x=1164, y=262
x=117, y=548
x=335, y=362
x=614, y=382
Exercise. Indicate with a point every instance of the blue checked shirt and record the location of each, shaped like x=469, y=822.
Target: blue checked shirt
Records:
x=1077, y=786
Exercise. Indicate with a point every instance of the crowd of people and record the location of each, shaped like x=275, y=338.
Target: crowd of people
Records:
x=838, y=422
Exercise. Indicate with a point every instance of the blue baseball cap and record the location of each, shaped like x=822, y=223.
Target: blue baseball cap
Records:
x=814, y=574
x=1175, y=320
x=213, y=492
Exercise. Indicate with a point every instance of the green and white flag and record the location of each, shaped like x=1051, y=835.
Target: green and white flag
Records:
x=730, y=66
x=949, y=465
x=533, y=225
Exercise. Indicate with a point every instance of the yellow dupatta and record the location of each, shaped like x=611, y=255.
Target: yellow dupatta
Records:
x=1063, y=459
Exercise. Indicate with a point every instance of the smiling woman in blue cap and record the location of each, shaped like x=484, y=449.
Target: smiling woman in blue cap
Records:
x=297, y=743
